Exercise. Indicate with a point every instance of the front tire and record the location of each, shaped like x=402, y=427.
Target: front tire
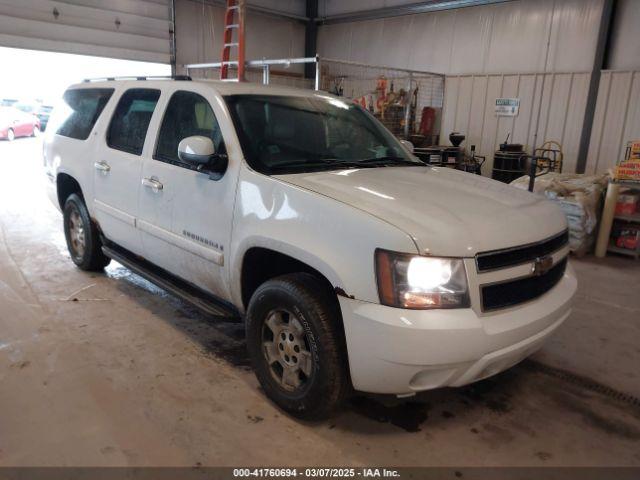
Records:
x=11, y=135
x=295, y=341
x=83, y=240
x=36, y=131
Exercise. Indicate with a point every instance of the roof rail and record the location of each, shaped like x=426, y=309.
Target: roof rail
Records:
x=156, y=77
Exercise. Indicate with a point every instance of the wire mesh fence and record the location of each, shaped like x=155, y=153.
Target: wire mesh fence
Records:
x=408, y=103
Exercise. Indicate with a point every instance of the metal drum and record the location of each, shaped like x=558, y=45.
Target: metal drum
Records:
x=509, y=163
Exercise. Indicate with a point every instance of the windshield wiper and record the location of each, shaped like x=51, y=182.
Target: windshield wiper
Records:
x=371, y=162
x=390, y=160
x=336, y=163
x=322, y=163
x=345, y=163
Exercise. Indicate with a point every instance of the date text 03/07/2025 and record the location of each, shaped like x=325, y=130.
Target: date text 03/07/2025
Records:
x=315, y=473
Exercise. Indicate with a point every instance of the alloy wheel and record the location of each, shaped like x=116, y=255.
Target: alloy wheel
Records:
x=76, y=233
x=285, y=348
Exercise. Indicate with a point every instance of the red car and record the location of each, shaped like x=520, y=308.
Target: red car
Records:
x=14, y=123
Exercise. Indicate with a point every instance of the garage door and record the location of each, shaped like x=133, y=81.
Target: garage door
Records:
x=127, y=29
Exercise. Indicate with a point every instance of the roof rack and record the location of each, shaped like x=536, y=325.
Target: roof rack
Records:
x=157, y=77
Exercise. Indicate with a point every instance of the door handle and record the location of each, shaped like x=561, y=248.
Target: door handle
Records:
x=102, y=167
x=152, y=183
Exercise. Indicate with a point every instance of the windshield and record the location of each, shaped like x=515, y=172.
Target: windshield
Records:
x=25, y=107
x=288, y=134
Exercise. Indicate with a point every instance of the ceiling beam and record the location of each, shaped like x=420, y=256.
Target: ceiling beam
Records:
x=260, y=10
x=311, y=37
x=410, y=9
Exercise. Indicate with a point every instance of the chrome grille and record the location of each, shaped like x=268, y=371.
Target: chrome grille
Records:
x=508, y=257
x=513, y=292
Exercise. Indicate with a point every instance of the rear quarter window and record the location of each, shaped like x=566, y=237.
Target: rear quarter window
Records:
x=130, y=121
x=79, y=111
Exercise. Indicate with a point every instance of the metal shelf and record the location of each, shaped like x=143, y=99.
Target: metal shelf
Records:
x=627, y=184
x=634, y=217
x=624, y=251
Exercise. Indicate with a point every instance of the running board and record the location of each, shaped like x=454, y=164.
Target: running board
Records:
x=186, y=291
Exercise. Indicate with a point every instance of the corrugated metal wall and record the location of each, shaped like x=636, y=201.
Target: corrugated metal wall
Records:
x=625, y=38
x=128, y=29
x=199, y=34
x=294, y=7
x=617, y=116
x=617, y=119
x=336, y=7
x=503, y=50
x=509, y=37
x=487, y=52
x=469, y=108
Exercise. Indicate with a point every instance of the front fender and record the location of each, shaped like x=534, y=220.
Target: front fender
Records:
x=334, y=238
x=280, y=246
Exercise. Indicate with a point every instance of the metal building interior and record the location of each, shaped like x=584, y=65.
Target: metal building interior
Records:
x=107, y=369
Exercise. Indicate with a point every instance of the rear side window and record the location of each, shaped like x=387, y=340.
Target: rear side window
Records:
x=187, y=114
x=80, y=111
x=130, y=121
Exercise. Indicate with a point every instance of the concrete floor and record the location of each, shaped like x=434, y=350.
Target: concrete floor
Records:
x=106, y=369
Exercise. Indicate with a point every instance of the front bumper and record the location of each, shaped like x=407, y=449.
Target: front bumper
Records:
x=399, y=351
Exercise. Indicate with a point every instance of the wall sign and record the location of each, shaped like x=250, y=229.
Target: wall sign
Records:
x=507, y=107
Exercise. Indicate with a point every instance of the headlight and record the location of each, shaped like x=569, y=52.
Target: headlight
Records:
x=411, y=281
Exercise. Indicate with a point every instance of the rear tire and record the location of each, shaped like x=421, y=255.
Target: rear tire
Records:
x=83, y=239
x=296, y=344
x=36, y=131
x=11, y=135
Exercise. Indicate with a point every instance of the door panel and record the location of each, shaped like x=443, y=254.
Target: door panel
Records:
x=116, y=180
x=186, y=224
x=117, y=171
x=22, y=126
x=27, y=124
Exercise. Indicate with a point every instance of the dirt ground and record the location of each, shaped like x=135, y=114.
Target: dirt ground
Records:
x=106, y=369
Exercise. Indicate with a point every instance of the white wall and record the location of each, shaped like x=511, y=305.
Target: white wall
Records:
x=488, y=52
x=295, y=7
x=199, y=30
x=616, y=120
x=625, y=52
x=617, y=116
x=469, y=108
x=501, y=38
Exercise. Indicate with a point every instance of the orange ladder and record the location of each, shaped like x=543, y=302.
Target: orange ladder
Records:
x=233, y=20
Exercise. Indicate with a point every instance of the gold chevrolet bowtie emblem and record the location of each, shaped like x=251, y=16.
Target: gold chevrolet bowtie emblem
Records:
x=542, y=265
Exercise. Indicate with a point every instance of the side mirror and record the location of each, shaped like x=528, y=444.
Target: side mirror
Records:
x=200, y=152
x=407, y=144
x=196, y=150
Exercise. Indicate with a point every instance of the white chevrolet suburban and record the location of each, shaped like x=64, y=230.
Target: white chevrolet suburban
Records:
x=353, y=264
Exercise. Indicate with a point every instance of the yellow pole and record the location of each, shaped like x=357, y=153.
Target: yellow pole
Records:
x=606, y=223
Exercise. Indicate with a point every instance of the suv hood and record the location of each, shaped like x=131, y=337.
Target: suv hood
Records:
x=446, y=212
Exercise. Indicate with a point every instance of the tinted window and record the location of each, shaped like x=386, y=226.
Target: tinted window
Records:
x=281, y=134
x=80, y=111
x=187, y=114
x=25, y=107
x=131, y=118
